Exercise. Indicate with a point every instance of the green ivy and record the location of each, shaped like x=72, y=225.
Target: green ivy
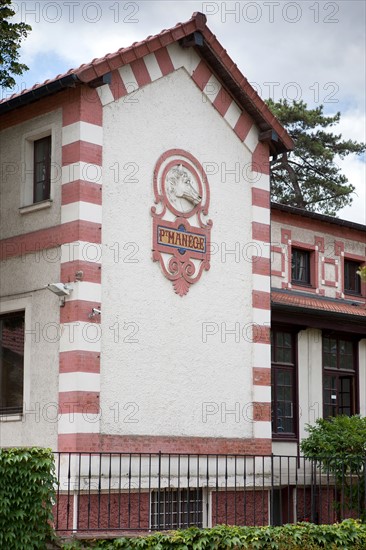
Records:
x=27, y=494
x=349, y=535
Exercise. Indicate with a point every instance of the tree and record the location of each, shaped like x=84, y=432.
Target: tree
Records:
x=338, y=446
x=11, y=35
x=362, y=273
x=309, y=177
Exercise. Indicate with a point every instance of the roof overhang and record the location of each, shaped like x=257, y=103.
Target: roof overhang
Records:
x=193, y=33
x=323, y=313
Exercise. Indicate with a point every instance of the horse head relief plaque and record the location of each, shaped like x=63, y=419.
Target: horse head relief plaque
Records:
x=181, y=235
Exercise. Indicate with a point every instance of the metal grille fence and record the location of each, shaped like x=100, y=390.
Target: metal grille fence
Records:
x=115, y=492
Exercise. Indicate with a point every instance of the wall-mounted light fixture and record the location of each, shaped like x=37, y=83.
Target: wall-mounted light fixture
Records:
x=60, y=289
x=95, y=311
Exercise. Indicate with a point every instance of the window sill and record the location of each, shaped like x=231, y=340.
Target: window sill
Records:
x=35, y=207
x=290, y=438
x=300, y=284
x=11, y=418
x=354, y=296
x=304, y=288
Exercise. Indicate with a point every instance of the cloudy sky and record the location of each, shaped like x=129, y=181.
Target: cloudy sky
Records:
x=310, y=50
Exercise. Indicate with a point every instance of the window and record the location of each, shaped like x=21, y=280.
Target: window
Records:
x=339, y=376
x=11, y=363
x=352, y=281
x=300, y=267
x=176, y=508
x=42, y=169
x=41, y=160
x=284, y=394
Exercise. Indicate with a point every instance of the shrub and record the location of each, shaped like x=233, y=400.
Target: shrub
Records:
x=338, y=447
x=27, y=492
x=349, y=535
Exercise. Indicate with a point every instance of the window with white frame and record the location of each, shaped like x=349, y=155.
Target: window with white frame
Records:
x=38, y=168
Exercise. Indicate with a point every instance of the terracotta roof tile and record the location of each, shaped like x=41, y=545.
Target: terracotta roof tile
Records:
x=318, y=303
x=243, y=92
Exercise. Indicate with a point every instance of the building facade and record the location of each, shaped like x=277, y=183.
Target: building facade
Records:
x=318, y=322
x=105, y=169
x=137, y=189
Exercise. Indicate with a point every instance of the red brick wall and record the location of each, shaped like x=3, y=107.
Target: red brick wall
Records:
x=240, y=507
x=105, y=511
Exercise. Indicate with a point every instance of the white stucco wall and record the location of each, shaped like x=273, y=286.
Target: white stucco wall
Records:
x=22, y=285
x=158, y=373
x=16, y=175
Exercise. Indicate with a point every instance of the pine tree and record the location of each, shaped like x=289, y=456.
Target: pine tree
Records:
x=309, y=177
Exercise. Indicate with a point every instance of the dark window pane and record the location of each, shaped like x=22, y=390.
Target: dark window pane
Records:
x=283, y=383
x=325, y=344
x=338, y=390
x=300, y=266
x=287, y=340
x=11, y=363
x=352, y=281
x=42, y=169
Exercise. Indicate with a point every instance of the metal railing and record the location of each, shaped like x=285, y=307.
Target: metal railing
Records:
x=115, y=492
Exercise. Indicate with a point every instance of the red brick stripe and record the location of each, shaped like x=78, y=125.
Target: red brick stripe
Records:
x=117, y=86
x=165, y=444
x=261, y=198
x=164, y=61
x=91, y=271
x=80, y=190
x=201, y=75
x=82, y=151
x=261, y=266
x=261, y=412
x=261, y=334
x=261, y=300
x=222, y=101
x=78, y=310
x=80, y=361
x=50, y=238
x=261, y=376
x=84, y=105
x=243, y=126
x=78, y=402
x=261, y=232
x=260, y=158
x=140, y=71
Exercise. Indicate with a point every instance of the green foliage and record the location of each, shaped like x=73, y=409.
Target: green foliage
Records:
x=11, y=35
x=362, y=273
x=27, y=493
x=341, y=437
x=309, y=177
x=348, y=535
x=338, y=447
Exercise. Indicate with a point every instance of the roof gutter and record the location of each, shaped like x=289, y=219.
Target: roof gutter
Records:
x=317, y=216
x=319, y=318
x=68, y=81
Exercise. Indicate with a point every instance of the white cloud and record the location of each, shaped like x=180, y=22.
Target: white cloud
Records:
x=356, y=174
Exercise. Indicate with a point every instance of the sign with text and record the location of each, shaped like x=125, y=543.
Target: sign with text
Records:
x=181, y=189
